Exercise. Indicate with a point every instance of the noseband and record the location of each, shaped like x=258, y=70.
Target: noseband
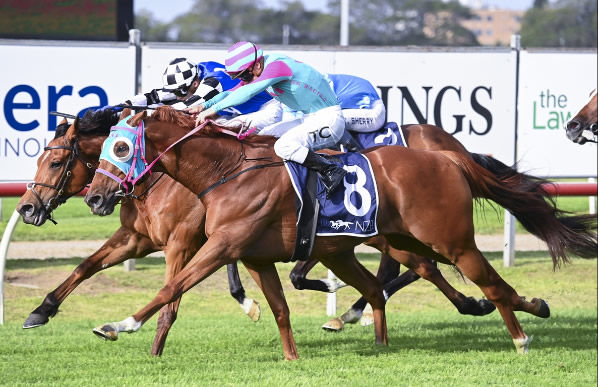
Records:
x=59, y=198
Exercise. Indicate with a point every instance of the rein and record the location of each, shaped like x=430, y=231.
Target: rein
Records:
x=58, y=199
x=129, y=180
x=224, y=180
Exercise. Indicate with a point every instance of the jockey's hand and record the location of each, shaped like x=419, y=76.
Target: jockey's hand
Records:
x=204, y=115
x=195, y=109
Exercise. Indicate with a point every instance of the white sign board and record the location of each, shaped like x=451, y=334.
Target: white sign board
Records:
x=38, y=79
x=553, y=88
x=469, y=94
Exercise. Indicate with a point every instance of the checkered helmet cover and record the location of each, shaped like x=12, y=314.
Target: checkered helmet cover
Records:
x=180, y=72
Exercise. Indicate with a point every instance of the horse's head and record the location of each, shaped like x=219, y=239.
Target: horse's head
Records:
x=119, y=168
x=62, y=172
x=585, y=122
x=66, y=166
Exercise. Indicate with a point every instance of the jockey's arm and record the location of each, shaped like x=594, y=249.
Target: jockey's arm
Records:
x=154, y=97
x=273, y=73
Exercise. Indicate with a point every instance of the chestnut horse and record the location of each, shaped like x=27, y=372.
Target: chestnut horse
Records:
x=68, y=164
x=584, y=122
x=260, y=229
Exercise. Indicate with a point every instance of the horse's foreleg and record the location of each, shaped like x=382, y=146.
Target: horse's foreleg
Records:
x=176, y=257
x=207, y=260
x=268, y=280
x=124, y=244
x=237, y=291
x=346, y=266
x=387, y=274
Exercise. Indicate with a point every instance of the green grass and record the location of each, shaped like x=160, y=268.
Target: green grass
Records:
x=76, y=222
x=214, y=343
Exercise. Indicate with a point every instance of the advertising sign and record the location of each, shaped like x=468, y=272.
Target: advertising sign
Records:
x=553, y=87
x=37, y=80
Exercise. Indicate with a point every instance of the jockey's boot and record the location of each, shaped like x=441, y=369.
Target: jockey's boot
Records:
x=331, y=174
x=349, y=143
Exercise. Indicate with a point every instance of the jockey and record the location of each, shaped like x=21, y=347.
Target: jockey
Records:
x=362, y=108
x=186, y=84
x=300, y=87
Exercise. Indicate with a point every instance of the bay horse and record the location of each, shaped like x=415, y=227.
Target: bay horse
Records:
x=586, y=120
x=67, y=166
x=260, y=229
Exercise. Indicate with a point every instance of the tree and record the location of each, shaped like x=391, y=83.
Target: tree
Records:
x=569, y=23
x=376, y=22
x=150, y=28
x=402, y=22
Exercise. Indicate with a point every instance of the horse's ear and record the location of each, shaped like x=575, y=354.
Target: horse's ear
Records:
x=125, y=113
x=63, y=121
x=135, y=120
x=73, y=130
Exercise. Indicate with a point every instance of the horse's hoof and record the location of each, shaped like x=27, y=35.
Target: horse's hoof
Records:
x=367, y=319
x=106, y=332
x=254, y=311
x=334, y=284
x=351, y=316
x=335, y=325
x=522, y=345
x=486, y=306
x=35, y=320
x=542, y=307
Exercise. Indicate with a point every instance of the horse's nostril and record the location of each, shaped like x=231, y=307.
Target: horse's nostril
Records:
x=573, y=125
x=26, y=209
x=94, y=200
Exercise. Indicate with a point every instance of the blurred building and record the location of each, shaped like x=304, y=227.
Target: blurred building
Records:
x=494, y=27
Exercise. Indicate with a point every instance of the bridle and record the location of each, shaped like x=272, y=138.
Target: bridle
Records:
x=67, y=173
x=128, y=183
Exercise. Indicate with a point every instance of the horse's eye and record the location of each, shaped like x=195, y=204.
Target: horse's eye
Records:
x=122, y=150
x=56, y=164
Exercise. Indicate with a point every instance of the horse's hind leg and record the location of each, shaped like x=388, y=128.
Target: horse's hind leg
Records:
x=268, y=280
x=346, y=266
x=429, y=271
x=122, y=245
x=237, y=291
x=300, y=282
x=473, y=265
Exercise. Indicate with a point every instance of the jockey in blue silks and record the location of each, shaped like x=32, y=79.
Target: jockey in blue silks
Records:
x=186, y=84
x=296, y=85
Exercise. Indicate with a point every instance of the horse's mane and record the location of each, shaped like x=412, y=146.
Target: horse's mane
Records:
x=186, y=121
x=61, y=130
x=168, y=114
x=97, y=122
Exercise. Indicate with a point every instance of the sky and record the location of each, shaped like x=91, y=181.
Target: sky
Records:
x=165, y=11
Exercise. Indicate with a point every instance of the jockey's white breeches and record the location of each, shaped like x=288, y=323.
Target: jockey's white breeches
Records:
x=365, y=120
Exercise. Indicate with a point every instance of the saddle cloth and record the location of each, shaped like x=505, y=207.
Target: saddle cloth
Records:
x=389, y=134
x=352, y=208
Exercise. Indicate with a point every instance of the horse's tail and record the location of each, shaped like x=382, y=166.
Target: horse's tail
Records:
x=524, y=197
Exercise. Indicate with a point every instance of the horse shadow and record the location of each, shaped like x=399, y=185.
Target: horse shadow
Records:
x=573, y=333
